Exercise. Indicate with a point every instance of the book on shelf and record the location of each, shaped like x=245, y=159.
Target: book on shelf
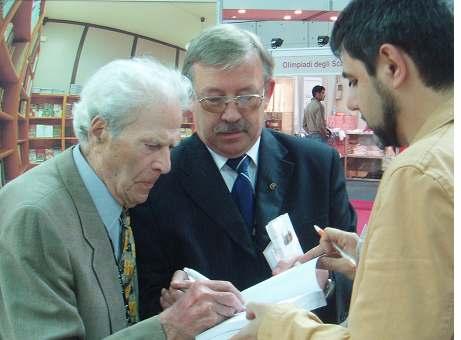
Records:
x=42, y=154
x=46, y=110
x=35, y=62
x=23, y=107
x=75, y=89
x=19, y=148
x=69, y=110
x=185, y=132
x=8, y=34
x=69, y=131
x=44, y=131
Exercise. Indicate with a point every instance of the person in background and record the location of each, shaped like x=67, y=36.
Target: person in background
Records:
x=314, y=116
x=197, y=216
x=403, y=286
x=67, y=254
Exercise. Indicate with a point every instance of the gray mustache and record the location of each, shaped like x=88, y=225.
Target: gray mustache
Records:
x=240, y=126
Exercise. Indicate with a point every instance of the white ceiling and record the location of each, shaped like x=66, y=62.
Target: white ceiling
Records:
x=174, y=22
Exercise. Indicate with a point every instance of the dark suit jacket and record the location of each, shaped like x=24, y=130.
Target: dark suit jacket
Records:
x=191, y=220
x=58, y=275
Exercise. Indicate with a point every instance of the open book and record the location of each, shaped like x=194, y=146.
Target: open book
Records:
x=298, y=286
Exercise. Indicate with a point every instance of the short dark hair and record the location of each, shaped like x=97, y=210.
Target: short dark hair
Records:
x=423, y=29
x=317, y=89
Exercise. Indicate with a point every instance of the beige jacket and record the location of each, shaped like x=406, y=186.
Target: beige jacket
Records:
x=314, y=118
x=58, y=276
x=404, y=283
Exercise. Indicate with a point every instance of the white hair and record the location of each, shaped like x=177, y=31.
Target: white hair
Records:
x=119, y=91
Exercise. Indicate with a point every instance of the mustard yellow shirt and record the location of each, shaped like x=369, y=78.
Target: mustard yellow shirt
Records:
x=403, y=288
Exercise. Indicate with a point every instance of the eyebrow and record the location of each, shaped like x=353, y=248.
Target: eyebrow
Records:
x=347, y=75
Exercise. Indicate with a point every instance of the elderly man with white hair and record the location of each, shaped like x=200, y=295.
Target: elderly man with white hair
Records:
x=67, y=253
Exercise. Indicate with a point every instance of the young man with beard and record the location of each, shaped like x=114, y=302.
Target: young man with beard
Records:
x=398, y=57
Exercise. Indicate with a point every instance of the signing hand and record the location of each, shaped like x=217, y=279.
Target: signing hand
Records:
x=169, y=296
x=204, y=304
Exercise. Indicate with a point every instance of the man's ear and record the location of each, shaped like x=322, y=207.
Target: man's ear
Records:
x=392, y=65
x=98, y=129
x=269, y=90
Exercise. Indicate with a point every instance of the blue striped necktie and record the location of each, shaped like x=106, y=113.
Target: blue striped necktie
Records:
x=242, y=190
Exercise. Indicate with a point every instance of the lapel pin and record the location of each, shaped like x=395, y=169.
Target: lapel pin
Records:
x=272, y=186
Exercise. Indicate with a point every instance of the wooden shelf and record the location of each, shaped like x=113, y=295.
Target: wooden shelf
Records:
x=44, y=138
x=9, y=17
x=7, y=69
x=44, y=119
x=22, y=21
x=47, y=96
x=5, y=116
x=14, y=71
x=5, y=153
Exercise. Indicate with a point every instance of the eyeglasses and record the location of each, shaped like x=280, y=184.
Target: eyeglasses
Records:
x=217, y=104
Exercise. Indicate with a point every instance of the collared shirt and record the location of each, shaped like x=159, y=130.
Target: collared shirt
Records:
x=404, y=285
x=107, y=207
x=228, y=174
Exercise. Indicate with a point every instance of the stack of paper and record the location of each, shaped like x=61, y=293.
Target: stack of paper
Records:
x=298, y=286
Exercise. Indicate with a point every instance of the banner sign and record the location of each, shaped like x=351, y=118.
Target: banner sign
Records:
x=306, y=61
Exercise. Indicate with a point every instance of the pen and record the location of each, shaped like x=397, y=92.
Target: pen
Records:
x=341, y=252
x=194, y=275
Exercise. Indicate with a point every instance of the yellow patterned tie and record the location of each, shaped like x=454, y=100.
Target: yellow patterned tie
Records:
x=127, y=268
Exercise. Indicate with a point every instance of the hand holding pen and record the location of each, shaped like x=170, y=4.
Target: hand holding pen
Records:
x=170, y=295
x=336, y=251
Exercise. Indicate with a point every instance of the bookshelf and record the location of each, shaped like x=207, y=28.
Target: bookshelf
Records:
x=362, y=158
x=20, y=29
x=50, y=126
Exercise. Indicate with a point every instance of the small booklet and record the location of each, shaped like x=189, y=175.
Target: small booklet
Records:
x=284, y=243
x=297, y=285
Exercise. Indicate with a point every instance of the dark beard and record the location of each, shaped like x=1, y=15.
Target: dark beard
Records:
x=387, y=132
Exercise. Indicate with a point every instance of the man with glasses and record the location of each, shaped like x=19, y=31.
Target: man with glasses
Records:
x=232, y=177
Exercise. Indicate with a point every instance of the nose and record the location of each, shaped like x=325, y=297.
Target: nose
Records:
x=352, y=101
x=231, y=113
x=162, y=162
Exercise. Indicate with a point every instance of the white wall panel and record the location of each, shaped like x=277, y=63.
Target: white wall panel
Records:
x=102, y=46
x=57, y=55
x=165, y=54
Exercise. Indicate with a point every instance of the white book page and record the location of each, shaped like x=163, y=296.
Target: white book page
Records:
x=298, y=286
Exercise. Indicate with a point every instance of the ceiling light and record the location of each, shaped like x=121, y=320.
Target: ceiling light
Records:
x=242, y=11
x=298, y=11
x=333, y=18
x=287, y=17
